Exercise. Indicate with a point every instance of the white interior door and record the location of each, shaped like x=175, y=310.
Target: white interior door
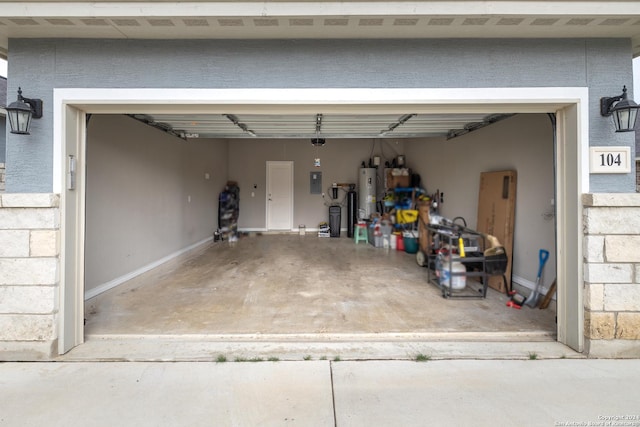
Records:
x=279, y=195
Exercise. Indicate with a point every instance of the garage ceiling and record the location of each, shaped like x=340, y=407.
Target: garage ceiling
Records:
x=318, y=125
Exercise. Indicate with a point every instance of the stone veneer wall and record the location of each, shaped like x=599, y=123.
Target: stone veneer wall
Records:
x=612, y=274
x=29, y=277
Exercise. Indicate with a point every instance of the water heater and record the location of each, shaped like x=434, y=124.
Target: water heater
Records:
x=367, y=192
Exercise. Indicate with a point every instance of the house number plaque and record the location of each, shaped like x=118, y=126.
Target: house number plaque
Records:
x=610, y=159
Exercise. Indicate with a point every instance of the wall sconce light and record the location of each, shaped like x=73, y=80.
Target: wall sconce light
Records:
x=623, y=110
x=22, y=111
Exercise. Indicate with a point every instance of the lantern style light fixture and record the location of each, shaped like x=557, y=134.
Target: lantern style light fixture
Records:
x=21, y=112
x=623, y=110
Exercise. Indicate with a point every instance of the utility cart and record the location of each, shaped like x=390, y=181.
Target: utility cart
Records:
x=454, y=254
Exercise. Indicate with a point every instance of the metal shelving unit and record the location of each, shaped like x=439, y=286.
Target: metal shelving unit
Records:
x=446, y=239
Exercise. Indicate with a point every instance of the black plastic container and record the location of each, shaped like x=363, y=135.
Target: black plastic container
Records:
x=352, y=212
x=334, y=220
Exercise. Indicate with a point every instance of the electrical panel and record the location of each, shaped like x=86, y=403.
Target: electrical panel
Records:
x=315, y=182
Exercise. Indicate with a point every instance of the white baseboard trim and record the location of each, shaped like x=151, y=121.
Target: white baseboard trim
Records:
x=528, y=284
x=120, y=280
x=523, y=282
x=293, y=230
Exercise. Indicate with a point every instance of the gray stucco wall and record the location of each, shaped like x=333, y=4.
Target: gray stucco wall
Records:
x=39, y=66
x=3, y=138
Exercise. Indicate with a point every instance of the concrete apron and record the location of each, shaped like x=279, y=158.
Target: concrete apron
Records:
x=294, y=311
x=322, y=347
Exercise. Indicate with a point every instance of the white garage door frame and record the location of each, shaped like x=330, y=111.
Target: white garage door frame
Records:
x=569, y=103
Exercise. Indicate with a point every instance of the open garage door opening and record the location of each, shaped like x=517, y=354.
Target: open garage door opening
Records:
x=152, y=206
x=152, y=196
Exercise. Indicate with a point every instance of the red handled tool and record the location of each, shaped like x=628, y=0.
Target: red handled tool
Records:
x=512, y=304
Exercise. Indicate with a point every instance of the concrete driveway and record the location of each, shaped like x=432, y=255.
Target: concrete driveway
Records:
x=322, y=393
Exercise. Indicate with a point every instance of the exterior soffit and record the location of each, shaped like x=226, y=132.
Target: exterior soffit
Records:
x=319, y=20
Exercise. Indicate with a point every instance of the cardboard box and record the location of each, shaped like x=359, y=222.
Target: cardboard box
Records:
x=423, y=222
x=496, y=215
x=392, y=181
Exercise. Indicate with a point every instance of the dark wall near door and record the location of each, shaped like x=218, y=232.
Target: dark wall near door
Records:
x=3, y=138
x=3, y=119
x=147, y=196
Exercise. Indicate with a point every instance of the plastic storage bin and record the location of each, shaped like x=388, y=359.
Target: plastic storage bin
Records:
x=410, y=243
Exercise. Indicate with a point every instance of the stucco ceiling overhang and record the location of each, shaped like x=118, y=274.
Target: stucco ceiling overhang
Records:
x=318, y=19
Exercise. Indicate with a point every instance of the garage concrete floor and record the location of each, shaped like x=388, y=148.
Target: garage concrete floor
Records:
x=290, y=284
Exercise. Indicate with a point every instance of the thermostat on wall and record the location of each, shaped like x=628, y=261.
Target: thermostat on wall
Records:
x=610, y=159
